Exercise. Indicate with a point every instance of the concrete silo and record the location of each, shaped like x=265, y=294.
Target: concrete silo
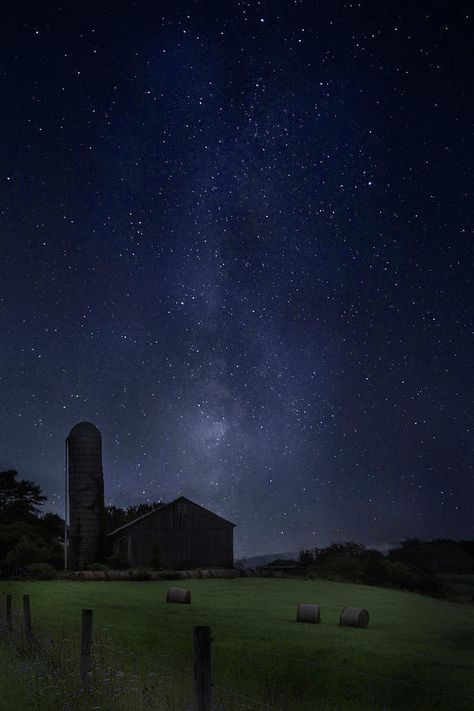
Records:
x=85, y=484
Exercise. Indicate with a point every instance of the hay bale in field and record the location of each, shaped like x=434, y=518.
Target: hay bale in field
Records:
x=354, y=617
x=87, y=575
x=178, y=595
x=308, y=613
x=100, y=575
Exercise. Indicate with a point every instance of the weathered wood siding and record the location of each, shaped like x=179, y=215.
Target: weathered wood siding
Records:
x=184, y=535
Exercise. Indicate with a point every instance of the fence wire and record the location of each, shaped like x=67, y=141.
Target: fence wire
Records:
x=163, y=680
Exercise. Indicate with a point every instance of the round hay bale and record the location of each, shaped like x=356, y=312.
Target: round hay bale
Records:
x=308, y=613
x=205, y=574
x=178, y=595
x=87, y=575
x=354, y=617
x=100, y=575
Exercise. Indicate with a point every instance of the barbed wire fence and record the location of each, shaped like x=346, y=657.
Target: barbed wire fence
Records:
x=48, y=662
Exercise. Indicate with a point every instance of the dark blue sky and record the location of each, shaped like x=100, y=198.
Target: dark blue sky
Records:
x=237, y=236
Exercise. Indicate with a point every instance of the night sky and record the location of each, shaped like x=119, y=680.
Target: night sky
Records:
x=237, y=236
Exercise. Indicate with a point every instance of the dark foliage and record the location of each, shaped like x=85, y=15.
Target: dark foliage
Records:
x=42, y=571
x=28, y=548
x=438, y=556
x=118, y=561
x=52, y=525
x=117, y=517
x=353, y=562
x=19, y=499
x=26, y=537
x=306, y=556
x=240, y=563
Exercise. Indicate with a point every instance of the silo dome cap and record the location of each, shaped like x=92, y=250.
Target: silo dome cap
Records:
x=84, y=429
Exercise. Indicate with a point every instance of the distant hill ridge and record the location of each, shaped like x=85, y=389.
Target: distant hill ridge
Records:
x=263, y=559
x=256, y=560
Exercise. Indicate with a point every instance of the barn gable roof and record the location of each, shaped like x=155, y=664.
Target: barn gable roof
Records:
x=164, y=506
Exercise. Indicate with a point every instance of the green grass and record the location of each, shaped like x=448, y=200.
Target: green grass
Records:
x=415, y=655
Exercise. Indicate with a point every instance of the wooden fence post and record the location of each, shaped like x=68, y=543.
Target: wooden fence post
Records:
x=27, y=618
x=202, y=668
x=86, y=646
x=8, y=612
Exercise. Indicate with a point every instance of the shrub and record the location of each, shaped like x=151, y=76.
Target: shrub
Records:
x=432, y=585
x=340, y=567
x=118, y=561
x=353, y=562
x=411, y=578
x=377, y=571
x=43, y=571
x=306, y=556
x=27, y=551
x=405, y=576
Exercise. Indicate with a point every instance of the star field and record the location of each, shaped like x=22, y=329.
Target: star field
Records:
x=238, y=238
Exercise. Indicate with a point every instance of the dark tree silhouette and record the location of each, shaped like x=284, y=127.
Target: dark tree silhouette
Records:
x=116, y=516
x=26, y=536
x=20, y=500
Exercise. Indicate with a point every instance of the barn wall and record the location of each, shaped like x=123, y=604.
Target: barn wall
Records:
x=185, y=538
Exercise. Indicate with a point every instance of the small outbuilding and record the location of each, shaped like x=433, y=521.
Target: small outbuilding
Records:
x=178, y=535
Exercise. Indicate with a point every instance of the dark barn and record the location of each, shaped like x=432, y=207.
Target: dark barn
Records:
x=180, y=535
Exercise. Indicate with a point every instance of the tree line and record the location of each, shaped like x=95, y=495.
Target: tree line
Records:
x=36, y=539
x=414, y=565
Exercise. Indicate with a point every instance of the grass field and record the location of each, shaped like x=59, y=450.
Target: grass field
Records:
x=417, y=653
